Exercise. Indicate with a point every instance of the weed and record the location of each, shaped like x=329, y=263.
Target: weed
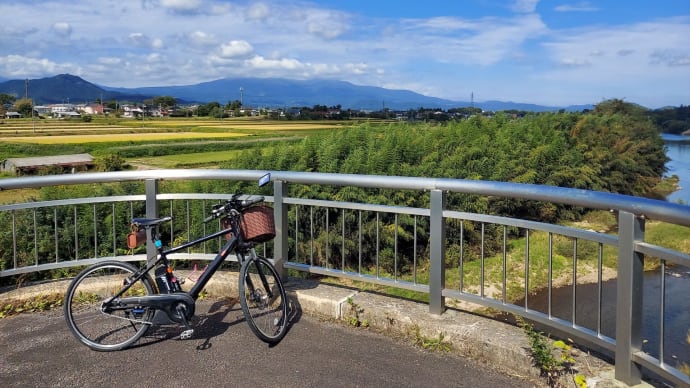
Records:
x=434, y=344
x=39, y=303
x=551, y=366
x=355, y=310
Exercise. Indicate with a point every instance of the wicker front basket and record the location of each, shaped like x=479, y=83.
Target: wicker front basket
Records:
x=257, y=224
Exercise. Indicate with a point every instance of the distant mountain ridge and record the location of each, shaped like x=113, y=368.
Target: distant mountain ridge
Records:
x=267, y=92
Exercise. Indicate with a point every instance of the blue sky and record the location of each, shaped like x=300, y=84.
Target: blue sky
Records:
x=556, y=52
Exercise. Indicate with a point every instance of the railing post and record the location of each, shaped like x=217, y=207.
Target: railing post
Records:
x=151, y=186
x=437, y=240
x=629, y=297
x=280, y=243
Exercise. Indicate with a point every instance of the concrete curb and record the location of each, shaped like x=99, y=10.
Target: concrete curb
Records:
x=499, y=345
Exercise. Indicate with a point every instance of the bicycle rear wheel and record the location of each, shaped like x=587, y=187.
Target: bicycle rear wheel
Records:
x=263, y=300
x=100, y=328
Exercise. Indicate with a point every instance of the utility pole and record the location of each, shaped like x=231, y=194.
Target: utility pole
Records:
x=26, y=91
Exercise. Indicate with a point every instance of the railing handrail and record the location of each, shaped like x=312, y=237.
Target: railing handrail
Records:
x=651, y=208
x=631, y=213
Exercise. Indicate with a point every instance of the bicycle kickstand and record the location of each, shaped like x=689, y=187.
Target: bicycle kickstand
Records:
x=182, y=313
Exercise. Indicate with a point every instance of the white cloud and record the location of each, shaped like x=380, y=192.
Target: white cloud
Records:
x=525, y=6
x=141, y=40
x=157, y=43
x=138, y=39
x=110, y=60
x=201, y=38
x=584, y=6
x=259, y=11
x=62, y=29
x=671, y=57
x=482, y=42
x=261, y=63
x=22, y=67
x=235, y=49
x=181, y=5
x=326, y=24
x=513, y=53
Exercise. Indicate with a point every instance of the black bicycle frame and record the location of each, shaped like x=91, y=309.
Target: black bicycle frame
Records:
x=213, y=266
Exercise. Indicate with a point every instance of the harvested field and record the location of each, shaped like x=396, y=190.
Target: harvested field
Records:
x=125, y=137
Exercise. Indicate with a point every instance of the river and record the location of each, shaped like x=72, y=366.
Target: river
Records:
x=678, y=150
x=677, y=306
x=677, y=285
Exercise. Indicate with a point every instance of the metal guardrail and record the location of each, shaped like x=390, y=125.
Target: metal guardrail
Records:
x=331, y=238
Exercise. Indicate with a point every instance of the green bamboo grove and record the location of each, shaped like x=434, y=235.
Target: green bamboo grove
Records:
x=614, y=148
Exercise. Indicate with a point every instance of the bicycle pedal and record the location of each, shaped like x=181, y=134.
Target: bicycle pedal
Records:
x=187, y=334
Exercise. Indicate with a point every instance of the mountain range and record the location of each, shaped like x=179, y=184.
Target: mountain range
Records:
x=267, y=92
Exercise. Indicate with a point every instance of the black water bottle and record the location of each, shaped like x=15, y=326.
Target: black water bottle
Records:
x=162, y=280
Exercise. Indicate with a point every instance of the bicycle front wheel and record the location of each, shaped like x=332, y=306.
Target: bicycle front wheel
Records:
x=263, y=299
x=103, y=327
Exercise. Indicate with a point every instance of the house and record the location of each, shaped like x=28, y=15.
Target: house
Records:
x=132, y=111
x=69, y=115
x=42, y=109
x=12, y=115
x=93, y=109
x=29, y=166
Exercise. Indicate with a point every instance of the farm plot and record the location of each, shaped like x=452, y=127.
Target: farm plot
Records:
x=119, y=138
x=197, y=159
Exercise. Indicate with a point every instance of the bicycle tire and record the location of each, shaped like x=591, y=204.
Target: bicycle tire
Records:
x=267, y=317
x=95, y=328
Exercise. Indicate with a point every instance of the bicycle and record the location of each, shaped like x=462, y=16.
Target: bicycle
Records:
x=111, y=304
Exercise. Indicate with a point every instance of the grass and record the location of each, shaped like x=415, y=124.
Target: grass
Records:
x=188, y=160
x=662, y=234
x=18, y=196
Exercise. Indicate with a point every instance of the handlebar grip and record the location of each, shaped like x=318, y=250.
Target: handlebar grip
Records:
x=250, y=201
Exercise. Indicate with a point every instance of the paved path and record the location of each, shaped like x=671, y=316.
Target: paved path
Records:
x=37, y=350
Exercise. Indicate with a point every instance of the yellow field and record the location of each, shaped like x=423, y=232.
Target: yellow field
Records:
x=122, y=137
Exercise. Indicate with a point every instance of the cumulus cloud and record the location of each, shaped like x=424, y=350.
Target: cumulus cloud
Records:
x=138, y=39
x=142, y=40
x=236, y=49
x=201, y=38
x=261, y=63
x=22, y=66
x=135, y=42
x=62, y=29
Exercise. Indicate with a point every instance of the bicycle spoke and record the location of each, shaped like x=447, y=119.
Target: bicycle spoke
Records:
x=265, y=315
x=96, y=328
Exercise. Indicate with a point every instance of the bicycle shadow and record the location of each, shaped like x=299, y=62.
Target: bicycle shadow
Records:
x=208, y=322
x=212, y=324
x=212, y=321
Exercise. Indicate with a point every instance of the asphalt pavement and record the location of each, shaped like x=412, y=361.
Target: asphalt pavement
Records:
x=38, y=350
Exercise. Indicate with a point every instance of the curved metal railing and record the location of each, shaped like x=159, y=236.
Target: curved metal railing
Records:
x=397, y=246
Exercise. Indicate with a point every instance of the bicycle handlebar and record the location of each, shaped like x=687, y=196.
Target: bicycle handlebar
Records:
x=235, y=204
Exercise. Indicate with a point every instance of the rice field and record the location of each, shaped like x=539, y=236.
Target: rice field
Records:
x=186, y=160
x=153, y=143
x=50, y=126
x=120, y=137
